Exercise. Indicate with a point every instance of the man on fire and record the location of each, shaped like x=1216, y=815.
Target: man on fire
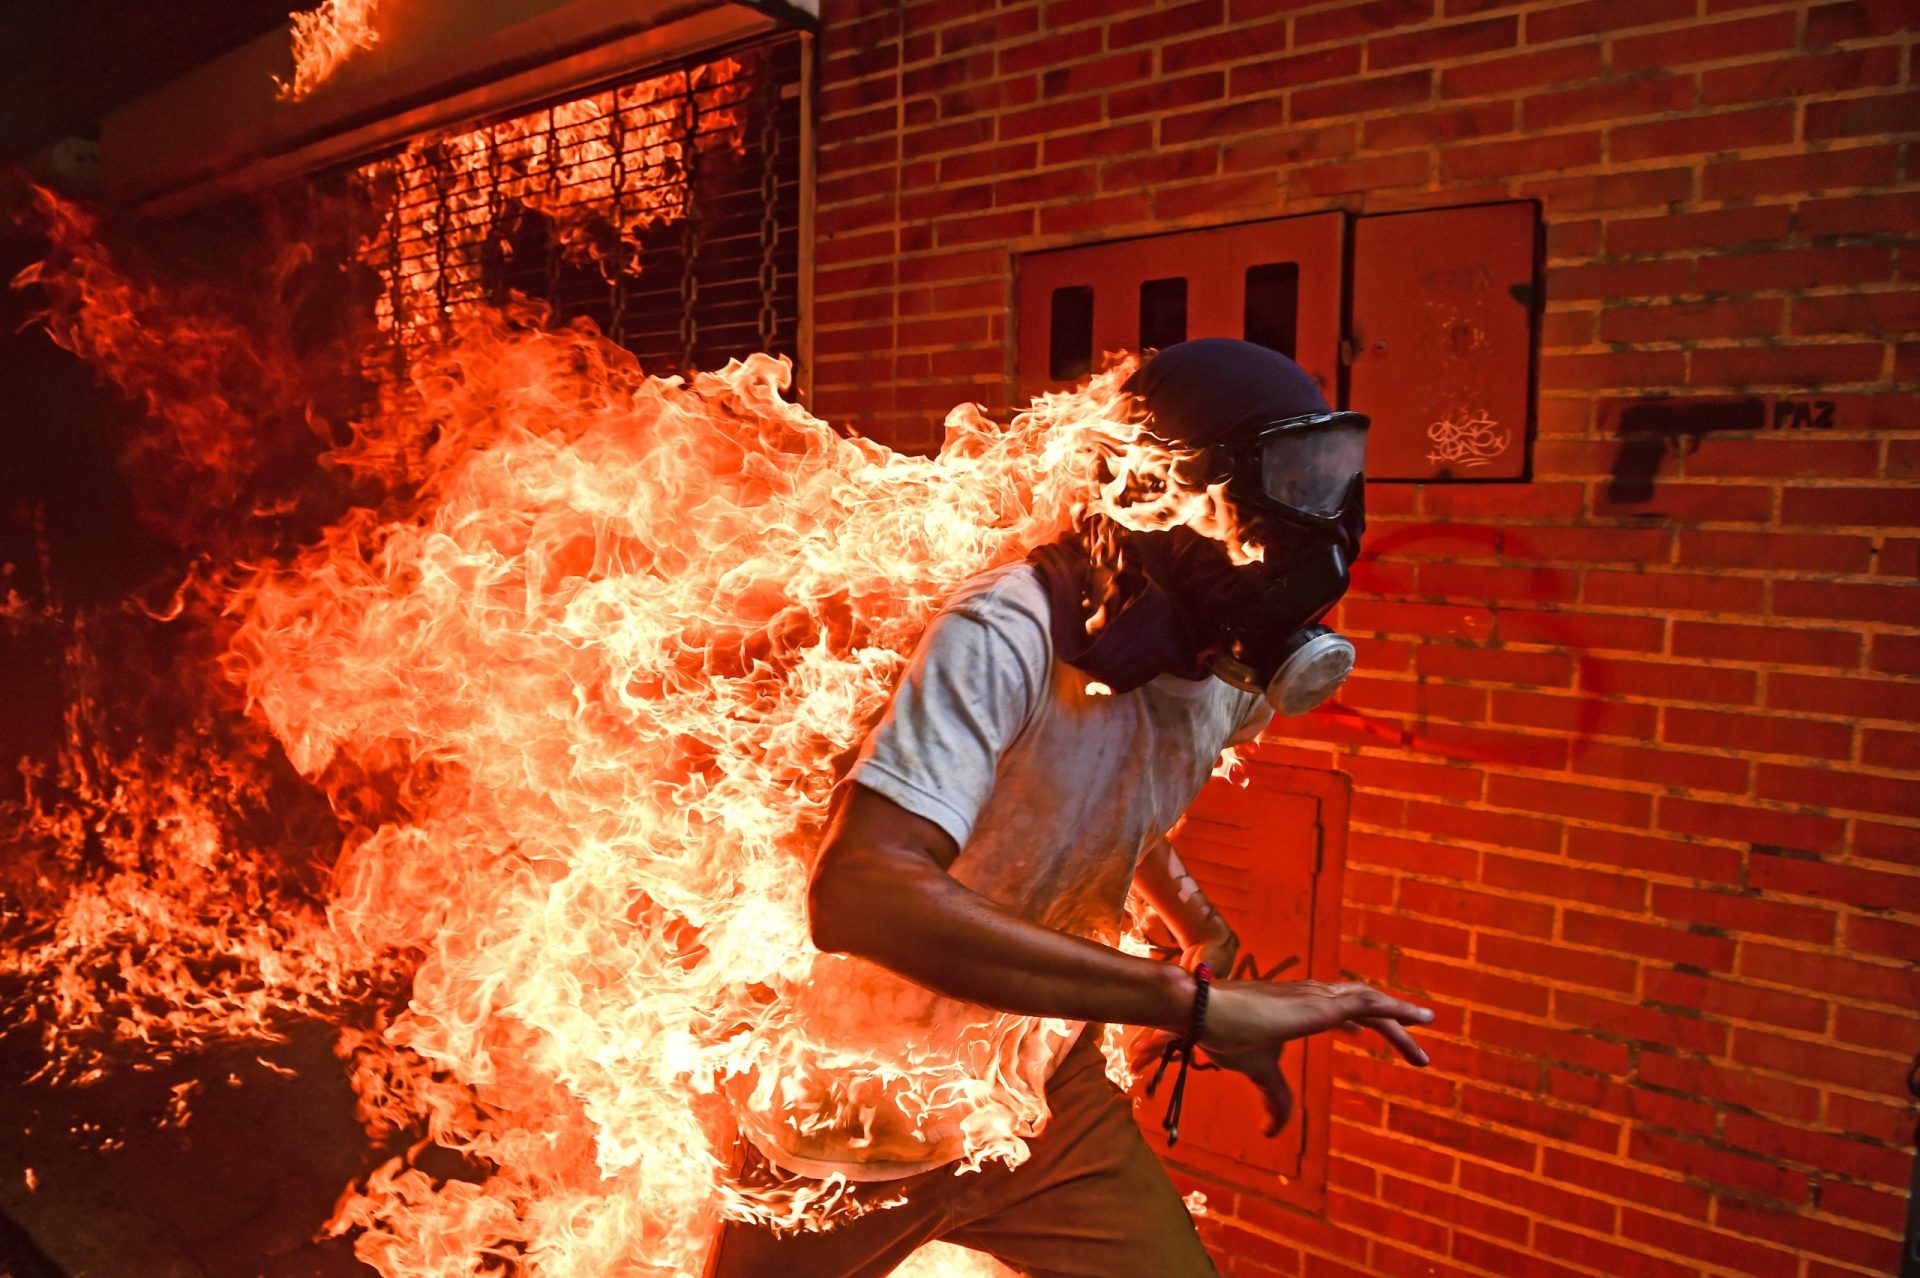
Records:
x=1056, y=720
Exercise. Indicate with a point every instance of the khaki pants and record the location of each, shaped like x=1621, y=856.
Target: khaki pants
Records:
x=1092, y=1202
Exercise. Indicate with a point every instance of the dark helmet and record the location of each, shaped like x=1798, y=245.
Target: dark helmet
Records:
x=1263, y=422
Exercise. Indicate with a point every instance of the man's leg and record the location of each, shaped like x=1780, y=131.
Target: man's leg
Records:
x=1093, y=1201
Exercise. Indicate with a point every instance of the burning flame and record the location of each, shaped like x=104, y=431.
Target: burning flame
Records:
x=179, y=936
x=323, y=39
x=577, y=682
x=1231, y=766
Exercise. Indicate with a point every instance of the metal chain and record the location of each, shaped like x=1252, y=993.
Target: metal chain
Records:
x=396, y=290
x=616, y=265
x=689, y=228
x=492, y=259
x=553, y=192
x=442, y=296
x=769, y=198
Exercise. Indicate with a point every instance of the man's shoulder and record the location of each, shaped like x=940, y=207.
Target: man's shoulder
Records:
x=1008, y=603
x=1012, y=595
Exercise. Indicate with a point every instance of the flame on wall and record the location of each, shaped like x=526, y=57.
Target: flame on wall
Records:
x=324, y=38
x=574, y=673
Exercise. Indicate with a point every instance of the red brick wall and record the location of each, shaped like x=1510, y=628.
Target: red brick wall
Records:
x=1635, y=791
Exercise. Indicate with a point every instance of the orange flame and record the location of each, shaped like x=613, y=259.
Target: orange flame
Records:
x=622, y=641
x=205, y=379
x=600, y=653
x=323, y=39
x=174, y=933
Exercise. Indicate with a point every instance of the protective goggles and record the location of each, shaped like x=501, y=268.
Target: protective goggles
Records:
x=1307, y=464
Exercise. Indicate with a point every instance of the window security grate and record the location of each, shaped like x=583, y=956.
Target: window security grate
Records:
x=665, y=208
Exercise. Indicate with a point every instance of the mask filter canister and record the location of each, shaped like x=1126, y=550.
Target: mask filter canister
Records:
x=1317, y=664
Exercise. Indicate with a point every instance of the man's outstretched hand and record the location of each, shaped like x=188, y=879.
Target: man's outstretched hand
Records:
x=1248, y=1022
x=1244, y=1017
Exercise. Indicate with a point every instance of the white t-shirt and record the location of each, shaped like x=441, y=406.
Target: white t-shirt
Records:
x=1053, y=793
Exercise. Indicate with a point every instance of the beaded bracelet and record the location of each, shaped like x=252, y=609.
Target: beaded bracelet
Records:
x=1182, y=1049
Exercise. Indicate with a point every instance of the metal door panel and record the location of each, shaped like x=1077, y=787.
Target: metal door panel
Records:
x=1445, y=307
x=1269, y=855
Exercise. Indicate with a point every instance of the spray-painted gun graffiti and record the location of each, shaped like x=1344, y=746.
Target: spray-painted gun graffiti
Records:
x=1650, y=429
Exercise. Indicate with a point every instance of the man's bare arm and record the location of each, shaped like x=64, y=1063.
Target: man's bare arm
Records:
x=1170, y=888
x=881, y=891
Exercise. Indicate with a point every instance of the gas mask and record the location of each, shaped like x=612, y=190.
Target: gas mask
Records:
x=1175, y=603
x=1299, y=487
